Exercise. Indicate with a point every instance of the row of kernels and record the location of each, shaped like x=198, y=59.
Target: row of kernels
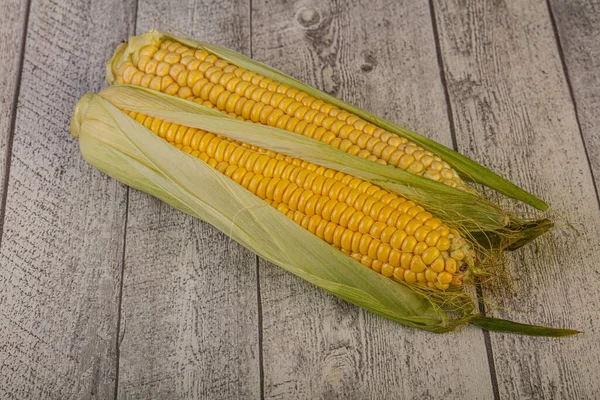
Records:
x=425, y=276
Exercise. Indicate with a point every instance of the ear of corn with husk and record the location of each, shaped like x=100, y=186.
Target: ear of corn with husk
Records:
x=129, y=152
x=114, y=142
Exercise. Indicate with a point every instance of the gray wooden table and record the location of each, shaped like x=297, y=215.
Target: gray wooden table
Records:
x=106, y=292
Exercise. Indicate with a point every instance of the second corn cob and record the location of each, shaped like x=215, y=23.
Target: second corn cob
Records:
x=385, y=232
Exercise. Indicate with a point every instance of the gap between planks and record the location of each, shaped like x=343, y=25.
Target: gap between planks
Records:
x=480, y=304
x=13, y=118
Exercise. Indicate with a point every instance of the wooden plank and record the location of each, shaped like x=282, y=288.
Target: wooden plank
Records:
x=189, y=311
x=513, y=112
x=380, y=56
x=62, y=243
x=578, y=25
x=13, y=17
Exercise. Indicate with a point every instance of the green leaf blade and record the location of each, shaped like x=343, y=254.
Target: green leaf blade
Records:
x=503, y=325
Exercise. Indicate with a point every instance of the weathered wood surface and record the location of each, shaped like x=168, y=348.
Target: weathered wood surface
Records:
x=61, y=247
x=198, y=316
x=189, y=316
x=513, y=112
x=12, y=27
x=380, y=56
x=578, y=26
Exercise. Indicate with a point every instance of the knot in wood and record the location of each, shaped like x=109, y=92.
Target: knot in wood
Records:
x=308, y=17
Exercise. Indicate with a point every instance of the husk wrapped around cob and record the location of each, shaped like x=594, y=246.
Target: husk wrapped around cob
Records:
x=128, y=151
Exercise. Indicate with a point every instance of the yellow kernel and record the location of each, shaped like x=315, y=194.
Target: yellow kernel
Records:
x=414, y=210
x=155, y=83
x=365, y=242
x=412, y=226
x=410, y=276
x=437, y=166
x=444, y=277
x=432, y=238
x=438, y=264
x=443, y=230
x=405, y=259
x=416, y=264
x=403, y=221
x=365, y=224
x=408, y=245
x=443, y=244
x=406, y=161
x=373, y=247
x=450, y=265
x=148, y=51
x=436, y=176
x=430, y=255
x=421, y=233
x=376, y=229
x=399, y=273
x=430, y=275
x=376, y=265
x=420, y=248
x=387, y=270
x=416, y=167
x=387, y=233
x=383, y=252
x=426, y=160
x=395, y=257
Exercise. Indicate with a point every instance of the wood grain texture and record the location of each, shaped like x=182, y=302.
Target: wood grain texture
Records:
x=513, y=112
x=12, y=23
x=62, y=243
x=380, y=56
x=578, y=25
x=189, y=313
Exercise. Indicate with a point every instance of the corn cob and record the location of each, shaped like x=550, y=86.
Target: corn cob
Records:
x=383, y=231
x=199, y=76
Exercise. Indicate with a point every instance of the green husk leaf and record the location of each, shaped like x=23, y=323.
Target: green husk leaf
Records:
x=503, y=325
x=129, y=152
x=462, y=209
x=467, y=168
x=527, y=232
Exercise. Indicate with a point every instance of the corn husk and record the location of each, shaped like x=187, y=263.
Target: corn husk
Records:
x=132, y=154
